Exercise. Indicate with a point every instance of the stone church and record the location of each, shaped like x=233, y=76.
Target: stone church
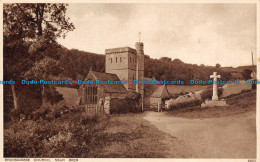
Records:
x=126, y=64
x=123, y=63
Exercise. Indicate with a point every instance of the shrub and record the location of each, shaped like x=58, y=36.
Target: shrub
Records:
x=52, y=95
x=207, y=94
x=120, y=106
x=130, y=104
x=185, y=104
x=133, y=96
x=71, y=135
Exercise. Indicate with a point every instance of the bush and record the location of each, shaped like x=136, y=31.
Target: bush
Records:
x=207, y=94
x=50, y=112
x=185, y=104
x=71, y=135
x=121, y=106
x=52, y=95
x=247, y=74
x=130, y=104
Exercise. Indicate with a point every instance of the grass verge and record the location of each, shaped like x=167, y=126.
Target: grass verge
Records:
x=238, y=104
x=76, y=135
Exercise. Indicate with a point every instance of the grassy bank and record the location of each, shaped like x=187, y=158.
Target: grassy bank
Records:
x=76, y=135
x=238, y=104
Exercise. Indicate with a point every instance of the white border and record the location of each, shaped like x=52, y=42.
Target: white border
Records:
x=137, y=1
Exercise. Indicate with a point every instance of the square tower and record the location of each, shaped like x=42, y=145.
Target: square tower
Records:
x=128, y=64
x=122, y=62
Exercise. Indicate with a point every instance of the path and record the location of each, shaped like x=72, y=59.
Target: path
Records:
x=227, y=137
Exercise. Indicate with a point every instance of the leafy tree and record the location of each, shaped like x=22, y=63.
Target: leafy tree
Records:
x=218, y=65
x=247, y=74
x=33, y=29
x=165, y=59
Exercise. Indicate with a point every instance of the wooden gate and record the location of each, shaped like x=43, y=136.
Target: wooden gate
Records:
x=94, y=109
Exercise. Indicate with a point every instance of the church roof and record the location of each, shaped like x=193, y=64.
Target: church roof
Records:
x=110, y=88
x=156, y=91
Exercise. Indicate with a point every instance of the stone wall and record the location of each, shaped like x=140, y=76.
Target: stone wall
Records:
x=230, y=89
x=227, y=90
x=184, y=100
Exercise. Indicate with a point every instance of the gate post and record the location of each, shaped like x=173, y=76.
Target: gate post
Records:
x=107, y=105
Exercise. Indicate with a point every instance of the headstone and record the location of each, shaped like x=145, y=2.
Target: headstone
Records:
x=214, y=102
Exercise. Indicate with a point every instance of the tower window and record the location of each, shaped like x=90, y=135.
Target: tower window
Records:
x=120, y=59
x=111, y=60
x=116, y=59
x=130, y=59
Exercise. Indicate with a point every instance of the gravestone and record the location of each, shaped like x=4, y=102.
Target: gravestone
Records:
x=214, y=102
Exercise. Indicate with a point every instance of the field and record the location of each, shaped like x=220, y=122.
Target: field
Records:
x=70, y=95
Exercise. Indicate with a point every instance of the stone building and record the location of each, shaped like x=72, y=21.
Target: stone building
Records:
x=94, y=93
x=123, y=63
x=155, y=95
x=128, y=64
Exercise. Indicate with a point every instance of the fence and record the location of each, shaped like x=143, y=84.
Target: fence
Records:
x=92, y=109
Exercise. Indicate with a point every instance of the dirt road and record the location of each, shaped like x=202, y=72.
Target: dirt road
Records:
x=227, y=137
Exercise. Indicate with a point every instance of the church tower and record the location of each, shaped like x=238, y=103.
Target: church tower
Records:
x=128, y=64
x=122, y=62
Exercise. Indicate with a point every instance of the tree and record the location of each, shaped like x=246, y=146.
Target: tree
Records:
x=33, y=28
x=29, y=21
x=247, y=74
x=218, y=65
x=166, y=59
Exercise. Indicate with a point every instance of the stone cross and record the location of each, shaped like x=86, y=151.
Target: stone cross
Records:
x=215, y=86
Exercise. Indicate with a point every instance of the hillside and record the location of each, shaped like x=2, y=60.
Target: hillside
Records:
x=76, y=64
x=239, y=69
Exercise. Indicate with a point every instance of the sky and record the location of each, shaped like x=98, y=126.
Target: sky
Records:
x=194, y=33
